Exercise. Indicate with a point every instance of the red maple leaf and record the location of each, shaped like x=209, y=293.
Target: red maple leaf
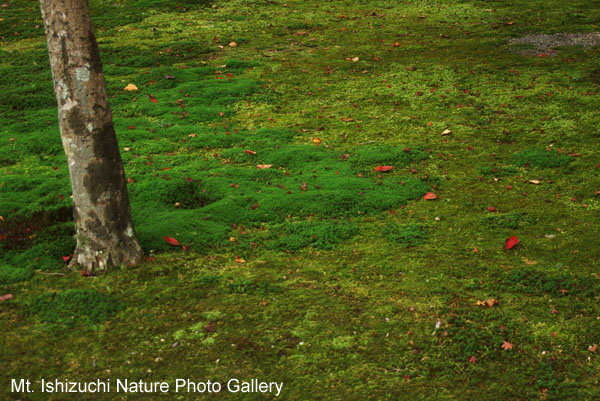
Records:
x=384, y=168
x=506, y=345
x=430, y=196
x=172, y=241
x=510, y=242
x=472, y=359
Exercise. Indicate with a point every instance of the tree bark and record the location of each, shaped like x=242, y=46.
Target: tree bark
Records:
x=105, y=233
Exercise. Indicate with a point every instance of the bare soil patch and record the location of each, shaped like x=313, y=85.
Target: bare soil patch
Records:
x=544, y=44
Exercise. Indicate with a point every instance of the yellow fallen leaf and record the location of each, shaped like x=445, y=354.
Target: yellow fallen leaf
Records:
x=529, y=261
x=231, y=239
x=355, y=59
x=240, y=260
x=126, y=149
x=232, y=44
x=192, y=135
x=446, y=132
x=535, y=182
x=317, y=140
x=490, y=302
x=262, y=166
x=130, y=87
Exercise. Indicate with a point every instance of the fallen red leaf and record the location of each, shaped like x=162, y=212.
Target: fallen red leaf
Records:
x=172, y=241
x=384, y=168
x=472, y=359
x=152, y=98
x=67, y=258
x=430, y=196
x=6, y=297
x=250, y=152
x=506, y=345
x=510, y=242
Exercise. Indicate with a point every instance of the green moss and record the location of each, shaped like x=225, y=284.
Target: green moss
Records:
x=74, y=307
x=321, y=235
x=342, y=342
x=540, y=158
x=513, y=220
x=497, y=171
x=9, y=275
x=556, y=283
x=371, y=156
x=359, y=320
x=404, y=233
x=243, y=286
x=481, y=333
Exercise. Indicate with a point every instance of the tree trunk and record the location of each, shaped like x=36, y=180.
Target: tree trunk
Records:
x=105, y=232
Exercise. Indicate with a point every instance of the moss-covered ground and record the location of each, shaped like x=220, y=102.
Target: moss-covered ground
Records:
x=298, y=261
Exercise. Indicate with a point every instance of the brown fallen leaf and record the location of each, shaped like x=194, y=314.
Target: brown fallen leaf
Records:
x=529, y=261
x=490, y=302
x=6, y=297
x=593, y=348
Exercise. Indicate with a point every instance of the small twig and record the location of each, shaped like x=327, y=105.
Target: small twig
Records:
x=52, y=274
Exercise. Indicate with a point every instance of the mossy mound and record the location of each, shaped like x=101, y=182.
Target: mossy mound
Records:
x=10, y=275
x=193, y=180
x=404, y=233
x=318, y=234
x=498, y=171
x=75, y=307
x=540, y=158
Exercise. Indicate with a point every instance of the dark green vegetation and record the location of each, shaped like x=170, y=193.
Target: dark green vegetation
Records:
x=319, y=271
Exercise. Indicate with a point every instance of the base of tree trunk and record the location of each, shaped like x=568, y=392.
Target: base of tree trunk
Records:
x=91, y=258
